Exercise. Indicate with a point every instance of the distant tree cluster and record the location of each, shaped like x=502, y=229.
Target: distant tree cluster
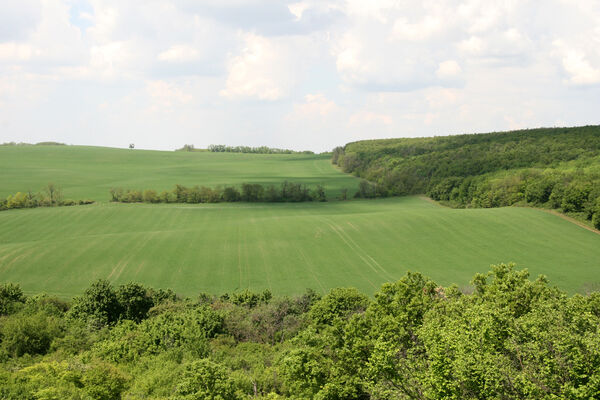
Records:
x=249, y=192
x=221, y=148
x=551, y=167
x=50, y=196
x=509, y=337
x=33, y=144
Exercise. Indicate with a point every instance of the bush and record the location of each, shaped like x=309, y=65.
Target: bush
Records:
x=135, y=301
x=205, y=379
x=338, y=303
x=150, y=196
x=28, y=334
x=9, y=295
x=231, y=194
x=98, y=305
x=104, y=382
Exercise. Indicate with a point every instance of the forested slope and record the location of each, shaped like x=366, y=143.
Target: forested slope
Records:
x=552, y=167
x=512, y=338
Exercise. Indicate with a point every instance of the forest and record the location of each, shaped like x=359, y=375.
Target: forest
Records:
x=507, y=337
x=557, y=168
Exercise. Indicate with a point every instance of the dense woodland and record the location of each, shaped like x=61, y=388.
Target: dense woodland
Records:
x=556, y=168
x=250, y=192
x=510, y=338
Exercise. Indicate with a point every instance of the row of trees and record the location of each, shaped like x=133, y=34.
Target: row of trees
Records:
x=555, y=168
x=221, y=148
x=50, y=196
x=509, y=337
x=32, y=144
x=249, y=192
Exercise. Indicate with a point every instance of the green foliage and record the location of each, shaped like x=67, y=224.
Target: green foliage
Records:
x=221, y=148
x=10, y=296
x=204, y=379
x=250, y=192
x=554, y=167
x=51, y=196
x=28, y=334
x=104, y=382
x=512, y=337
x=98, y=305
x=338, y=303
x=135, y=301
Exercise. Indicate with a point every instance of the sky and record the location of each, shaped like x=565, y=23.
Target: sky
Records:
x=304, y=75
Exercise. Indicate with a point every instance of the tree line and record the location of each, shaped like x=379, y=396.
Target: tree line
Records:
x=555, y=168
x=32, y=144
x=221, y=148
x=249, y=192
x=50, y=196
x=505, y=337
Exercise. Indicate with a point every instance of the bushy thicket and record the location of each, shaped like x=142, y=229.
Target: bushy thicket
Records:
x=510, y=338
x=50, y=196
x=221, y=148
x=250, y=192
x=555, y=168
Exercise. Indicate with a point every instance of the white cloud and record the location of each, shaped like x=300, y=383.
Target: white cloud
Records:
x=261, y=71
x=179, y=54
x=314, y=105
x=371, y=68
x=370, y=117
x=16, y=52
x=166, y=95
x=448, y=69
x=423, y=30
x=580, y=71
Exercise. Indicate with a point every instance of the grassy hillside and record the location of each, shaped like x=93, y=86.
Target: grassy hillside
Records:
x=285, y=247
x=90, y=172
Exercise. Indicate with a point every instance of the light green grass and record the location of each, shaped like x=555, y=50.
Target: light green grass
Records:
x=90, y=172
x=286, y=247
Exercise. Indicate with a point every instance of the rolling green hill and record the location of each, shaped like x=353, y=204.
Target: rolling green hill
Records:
x=286, y=247
x=90, y=172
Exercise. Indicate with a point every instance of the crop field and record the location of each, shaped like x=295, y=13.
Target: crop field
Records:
x=286, y=247
x=89, y=172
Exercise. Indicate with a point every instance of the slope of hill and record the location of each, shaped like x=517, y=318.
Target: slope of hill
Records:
x=286, y=247
x=550, y=167
x=89, y=172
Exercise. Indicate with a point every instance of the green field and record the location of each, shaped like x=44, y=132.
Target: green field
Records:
x=89, y=172
x=285, y=247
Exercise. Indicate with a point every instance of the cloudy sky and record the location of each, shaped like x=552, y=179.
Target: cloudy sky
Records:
x=309, y=74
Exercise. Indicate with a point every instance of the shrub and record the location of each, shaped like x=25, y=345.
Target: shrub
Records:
x=150, y=196
x=338, y=303
x=205, y=379
x=9, y=295
x=28, y=334
x=135, y=301
x=98, y=305
x=231, y=194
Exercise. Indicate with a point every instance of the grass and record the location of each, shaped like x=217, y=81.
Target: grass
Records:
x=285, y=247
x=89, y=172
